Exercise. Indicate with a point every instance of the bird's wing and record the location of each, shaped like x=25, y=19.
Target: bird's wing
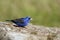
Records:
x=19, y=20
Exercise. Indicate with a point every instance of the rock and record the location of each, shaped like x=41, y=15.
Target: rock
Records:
x=30, y=32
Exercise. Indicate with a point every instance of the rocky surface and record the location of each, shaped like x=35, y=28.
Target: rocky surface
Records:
x=31, y=32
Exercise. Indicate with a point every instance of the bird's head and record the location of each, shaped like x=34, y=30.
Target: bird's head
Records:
x=29, y=18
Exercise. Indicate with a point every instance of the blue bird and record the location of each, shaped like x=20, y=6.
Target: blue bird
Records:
x=21, y=22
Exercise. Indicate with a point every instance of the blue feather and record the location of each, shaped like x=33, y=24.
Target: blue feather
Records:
x=21, y=22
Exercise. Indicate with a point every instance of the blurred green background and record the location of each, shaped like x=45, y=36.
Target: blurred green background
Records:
x=43, y=12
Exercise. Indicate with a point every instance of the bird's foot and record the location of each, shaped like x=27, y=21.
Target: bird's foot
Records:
x=19, y=26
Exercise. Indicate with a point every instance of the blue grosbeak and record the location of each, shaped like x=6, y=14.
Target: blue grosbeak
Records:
x=21, y=22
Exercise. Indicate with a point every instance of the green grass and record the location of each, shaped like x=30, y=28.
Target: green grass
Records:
x=43, y=12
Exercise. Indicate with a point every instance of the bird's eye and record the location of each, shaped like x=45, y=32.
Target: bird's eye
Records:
x=29, y=18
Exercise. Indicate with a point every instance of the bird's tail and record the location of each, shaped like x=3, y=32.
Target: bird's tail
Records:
x=8, y=20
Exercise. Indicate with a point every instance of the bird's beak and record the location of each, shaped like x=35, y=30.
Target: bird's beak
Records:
x=31, y=19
